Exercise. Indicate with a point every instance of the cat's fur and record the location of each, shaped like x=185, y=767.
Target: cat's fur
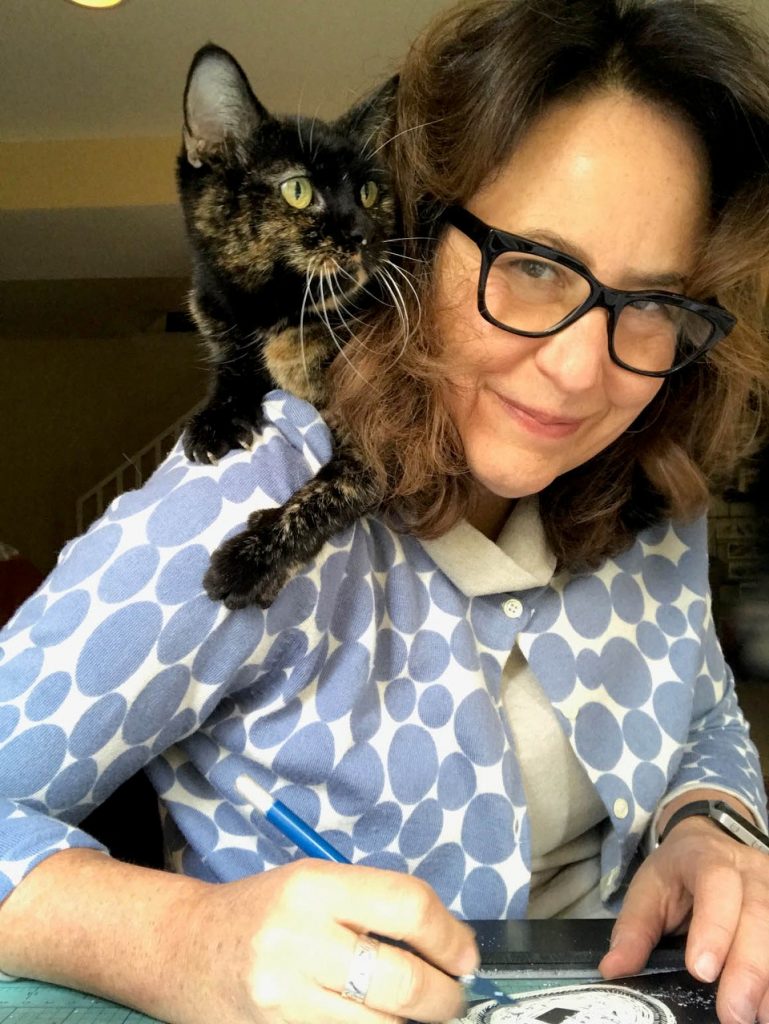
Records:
x=271, y=286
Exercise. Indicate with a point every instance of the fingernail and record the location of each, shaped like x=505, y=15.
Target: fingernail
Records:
x=706, y=967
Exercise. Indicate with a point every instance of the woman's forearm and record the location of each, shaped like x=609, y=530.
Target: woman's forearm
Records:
x=87, y=921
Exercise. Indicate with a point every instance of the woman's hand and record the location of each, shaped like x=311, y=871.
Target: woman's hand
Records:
x=723, y=886
x=277, y=947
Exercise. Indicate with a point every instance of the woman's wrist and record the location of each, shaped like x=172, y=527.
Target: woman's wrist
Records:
x=695, y=795
x=84, y=920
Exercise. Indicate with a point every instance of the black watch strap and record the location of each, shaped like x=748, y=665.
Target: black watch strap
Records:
x=697, y=808
x=724, y=817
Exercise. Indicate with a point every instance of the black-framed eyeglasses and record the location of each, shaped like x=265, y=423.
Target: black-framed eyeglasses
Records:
x=532, y=290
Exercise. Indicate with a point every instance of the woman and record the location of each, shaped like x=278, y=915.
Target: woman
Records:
x=512, y=710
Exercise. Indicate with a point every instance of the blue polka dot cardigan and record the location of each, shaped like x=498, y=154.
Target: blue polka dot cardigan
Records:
x=367, y=697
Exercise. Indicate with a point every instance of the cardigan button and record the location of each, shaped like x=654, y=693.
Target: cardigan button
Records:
x=512, y=608
x=621, y=808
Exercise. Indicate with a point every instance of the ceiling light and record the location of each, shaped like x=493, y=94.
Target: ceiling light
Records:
x=100, y=4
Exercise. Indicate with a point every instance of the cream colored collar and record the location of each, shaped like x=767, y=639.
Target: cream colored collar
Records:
x=519, y=560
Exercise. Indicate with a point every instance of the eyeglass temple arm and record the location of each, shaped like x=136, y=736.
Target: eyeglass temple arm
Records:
x=467, y=223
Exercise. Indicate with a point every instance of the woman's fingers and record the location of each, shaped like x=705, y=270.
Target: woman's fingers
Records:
x=639, y=926
x=715, y=917
x=744, y=984
x=409, y=977
x=393, y=905
x=396, y=982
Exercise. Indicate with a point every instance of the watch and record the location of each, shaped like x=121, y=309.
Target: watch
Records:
x=727, y=819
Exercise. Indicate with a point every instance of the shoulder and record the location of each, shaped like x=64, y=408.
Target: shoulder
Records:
x=668, y=560
x=185, y=505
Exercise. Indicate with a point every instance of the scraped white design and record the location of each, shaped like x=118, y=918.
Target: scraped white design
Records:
x=577, y=1004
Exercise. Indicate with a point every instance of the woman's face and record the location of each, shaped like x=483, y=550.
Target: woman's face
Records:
x=619, y=184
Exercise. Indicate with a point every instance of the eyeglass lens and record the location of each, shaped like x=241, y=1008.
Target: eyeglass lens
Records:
x=531, y=293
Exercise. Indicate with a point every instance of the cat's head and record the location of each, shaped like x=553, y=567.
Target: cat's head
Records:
x=293, y=195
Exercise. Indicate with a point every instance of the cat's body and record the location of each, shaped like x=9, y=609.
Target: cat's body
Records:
x=290, y=220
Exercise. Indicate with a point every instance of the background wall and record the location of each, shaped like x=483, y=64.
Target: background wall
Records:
x=89, y=378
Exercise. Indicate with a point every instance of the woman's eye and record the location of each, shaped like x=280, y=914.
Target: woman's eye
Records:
x=297, y=192
x=651, y=309
x=535, y=269
x=369, y=193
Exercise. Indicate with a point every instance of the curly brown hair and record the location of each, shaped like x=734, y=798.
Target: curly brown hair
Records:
x=470, y=86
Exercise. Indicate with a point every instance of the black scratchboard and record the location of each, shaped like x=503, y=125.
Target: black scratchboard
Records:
x=559, y=945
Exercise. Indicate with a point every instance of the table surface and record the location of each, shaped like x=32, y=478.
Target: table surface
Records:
x=32, y=1002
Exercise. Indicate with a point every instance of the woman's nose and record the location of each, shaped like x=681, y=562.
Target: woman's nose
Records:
x=576, y=357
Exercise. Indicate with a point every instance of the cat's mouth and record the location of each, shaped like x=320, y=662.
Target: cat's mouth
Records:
x=333, y=280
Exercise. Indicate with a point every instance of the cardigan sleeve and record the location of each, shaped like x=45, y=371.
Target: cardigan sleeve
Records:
x=120, y=653
x=719, y=753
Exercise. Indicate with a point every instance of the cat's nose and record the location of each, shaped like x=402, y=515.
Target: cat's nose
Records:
x=358, y=237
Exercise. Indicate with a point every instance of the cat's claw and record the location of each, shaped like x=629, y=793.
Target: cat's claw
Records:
x=250, y=568
x=213, y=432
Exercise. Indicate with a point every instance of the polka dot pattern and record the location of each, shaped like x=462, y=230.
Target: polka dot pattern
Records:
x=367, y=697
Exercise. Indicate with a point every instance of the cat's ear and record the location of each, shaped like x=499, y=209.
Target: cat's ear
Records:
x=367, y=119
x=220, y=110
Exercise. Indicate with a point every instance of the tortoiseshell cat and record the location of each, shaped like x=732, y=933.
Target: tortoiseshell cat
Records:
x=289, y=219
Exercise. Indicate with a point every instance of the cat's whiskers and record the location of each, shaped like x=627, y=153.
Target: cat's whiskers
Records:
x=407, y=332
x=407, y=278
x=409, y=238
x=399, y=304
x=359, y=287
x=325, y=261
x=413, y=128
x=361, y=343
x=393, y=294
x=307, y=295
x=338, y=295
x=341, y=310
x=374, y=132
x=323, y=313
x=312, y=129
x=255, y=339
x=403, y=256
x=299, y=121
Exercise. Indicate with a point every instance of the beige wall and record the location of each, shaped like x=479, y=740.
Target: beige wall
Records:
x=73, y=400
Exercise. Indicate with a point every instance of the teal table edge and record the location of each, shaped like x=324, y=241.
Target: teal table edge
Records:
x=33, y=1002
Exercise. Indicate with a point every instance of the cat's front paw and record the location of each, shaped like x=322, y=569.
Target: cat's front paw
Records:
x=251, y=567
x=215, y=430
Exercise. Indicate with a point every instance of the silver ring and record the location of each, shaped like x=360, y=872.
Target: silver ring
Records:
x=361, y=968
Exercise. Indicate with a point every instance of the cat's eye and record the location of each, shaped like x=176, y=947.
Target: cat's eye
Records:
x=369, y=194
x=297, y=192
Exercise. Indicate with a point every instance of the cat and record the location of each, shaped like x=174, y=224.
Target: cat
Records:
x=289, y=221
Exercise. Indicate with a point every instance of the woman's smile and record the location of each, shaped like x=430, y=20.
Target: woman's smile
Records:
x=539, y=423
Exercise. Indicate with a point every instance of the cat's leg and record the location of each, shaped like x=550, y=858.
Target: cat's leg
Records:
x=233, y=409
x=230, y=417
x=253, y=566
